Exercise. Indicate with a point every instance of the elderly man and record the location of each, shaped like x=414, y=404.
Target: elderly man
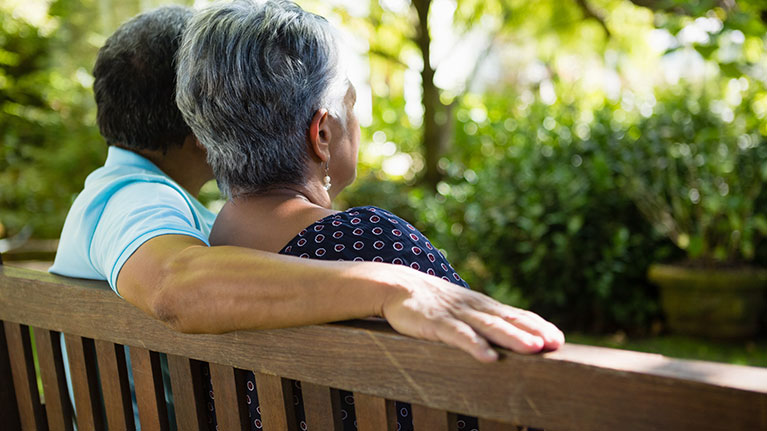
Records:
x=138, y=225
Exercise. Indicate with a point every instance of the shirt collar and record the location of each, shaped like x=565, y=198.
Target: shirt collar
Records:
x=121, y=157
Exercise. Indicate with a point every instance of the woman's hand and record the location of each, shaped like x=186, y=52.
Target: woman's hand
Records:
x=430, y=308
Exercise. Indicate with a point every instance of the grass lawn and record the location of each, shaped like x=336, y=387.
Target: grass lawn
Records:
x=750, y=352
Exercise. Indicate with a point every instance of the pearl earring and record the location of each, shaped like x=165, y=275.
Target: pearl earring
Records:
x=326, y=181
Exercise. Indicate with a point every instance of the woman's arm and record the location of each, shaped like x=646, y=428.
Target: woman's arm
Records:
x=200, y=289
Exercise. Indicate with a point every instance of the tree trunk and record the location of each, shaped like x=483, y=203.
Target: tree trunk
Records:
x=436, y=137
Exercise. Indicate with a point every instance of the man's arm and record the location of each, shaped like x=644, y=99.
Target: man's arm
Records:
x=199, y=289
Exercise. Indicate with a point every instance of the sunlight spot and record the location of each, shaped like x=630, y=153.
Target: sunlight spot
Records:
x=397, y=165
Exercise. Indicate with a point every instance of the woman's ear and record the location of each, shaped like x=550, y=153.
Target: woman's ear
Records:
x=319, y=135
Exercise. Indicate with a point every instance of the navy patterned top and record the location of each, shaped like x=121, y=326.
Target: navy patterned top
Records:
x=363, y=233
x=371, y=234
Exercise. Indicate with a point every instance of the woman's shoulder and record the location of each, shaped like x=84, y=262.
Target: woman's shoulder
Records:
x=373, y=234
x=364, y=228
x=372, y=214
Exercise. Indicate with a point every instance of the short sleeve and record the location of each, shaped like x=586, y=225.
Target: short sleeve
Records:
x=135, y=214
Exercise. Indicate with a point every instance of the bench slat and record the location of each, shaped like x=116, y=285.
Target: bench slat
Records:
x=24, y=377
x=9, y=412
x=188, y=396
x=115, y=386
x=426, y=419
x=150, y=395
x=229, y=397
x=275, y=397
x=58, y=408
x=322, y=407
x=83, y=371
x=491, y=425
x=573, y=388
x=374, y=413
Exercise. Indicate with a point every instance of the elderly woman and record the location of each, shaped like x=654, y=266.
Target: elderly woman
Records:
x=263, y=89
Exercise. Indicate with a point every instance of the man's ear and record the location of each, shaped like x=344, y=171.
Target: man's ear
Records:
x=190, y=139
x=320, y=135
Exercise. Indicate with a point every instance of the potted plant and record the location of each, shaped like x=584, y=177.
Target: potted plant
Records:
x=695, y=170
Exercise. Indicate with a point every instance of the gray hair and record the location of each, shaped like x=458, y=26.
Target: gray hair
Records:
x=251, y=75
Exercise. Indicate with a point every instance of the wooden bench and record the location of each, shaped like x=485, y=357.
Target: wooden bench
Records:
x=575, y=388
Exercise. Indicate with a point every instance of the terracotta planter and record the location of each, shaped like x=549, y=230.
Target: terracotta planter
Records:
x=723, y=303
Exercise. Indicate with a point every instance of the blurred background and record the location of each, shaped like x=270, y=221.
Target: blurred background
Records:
x=554, y=150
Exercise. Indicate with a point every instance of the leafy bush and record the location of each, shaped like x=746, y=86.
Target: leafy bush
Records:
x=530, y=213
x=49, y=143
x=547, y=222
x=695, y=170
x=537, y=208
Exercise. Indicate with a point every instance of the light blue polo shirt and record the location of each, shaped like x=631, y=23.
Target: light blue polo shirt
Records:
x=124, y=203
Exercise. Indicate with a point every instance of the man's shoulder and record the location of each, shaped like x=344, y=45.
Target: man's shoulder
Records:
x=115, y=206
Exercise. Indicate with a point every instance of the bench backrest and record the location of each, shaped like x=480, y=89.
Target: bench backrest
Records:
x=575, y=388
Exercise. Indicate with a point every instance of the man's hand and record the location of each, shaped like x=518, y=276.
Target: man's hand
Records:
x=430, y=308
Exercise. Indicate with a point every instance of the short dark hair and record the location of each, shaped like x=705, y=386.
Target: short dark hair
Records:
x=135, y=85
x=251, y=74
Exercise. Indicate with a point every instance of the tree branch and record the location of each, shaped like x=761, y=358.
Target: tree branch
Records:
x=388, y=57
x=592, y=13
x=506, y=14
x=679, y=9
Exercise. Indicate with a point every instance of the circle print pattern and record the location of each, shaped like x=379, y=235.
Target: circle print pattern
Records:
x=364, y=234
x=370, y=234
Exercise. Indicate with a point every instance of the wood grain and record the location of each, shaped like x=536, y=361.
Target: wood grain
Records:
x=150, y=394
x=574, y=388
x=58, y=407
x=24, y=378
x=374, y=413
x=188, y=396
x=229, y=397
x=322, y=407
x=84, y=374
x=491, y=425
x=275, y=397
x=426, y=418
x=9, y=412
x=115, y=386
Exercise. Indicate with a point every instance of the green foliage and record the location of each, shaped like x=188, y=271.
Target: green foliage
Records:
x=540, y=206
x=751, y=353
x=531, y=214
x=696, y=168
x=547, y=202
x=47, y=148
x=548, y=205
